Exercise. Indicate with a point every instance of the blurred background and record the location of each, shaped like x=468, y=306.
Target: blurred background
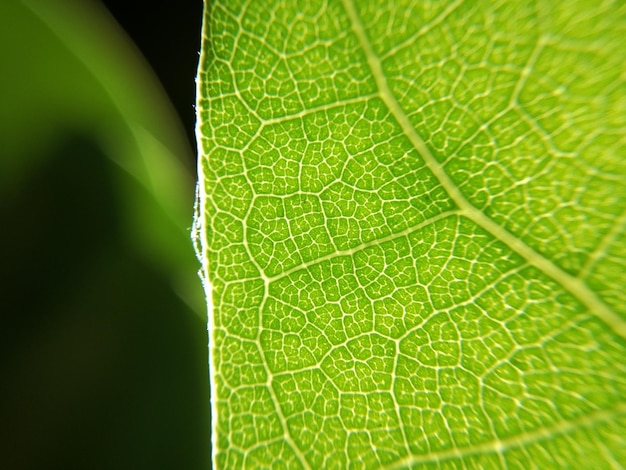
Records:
x=103, y=342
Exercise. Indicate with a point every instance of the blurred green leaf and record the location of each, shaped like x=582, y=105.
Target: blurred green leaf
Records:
x=71, y=69
x=103, y=346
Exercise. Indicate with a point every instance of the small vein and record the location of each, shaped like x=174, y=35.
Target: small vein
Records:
x=426, y=28
x=362, y=246
x=520, y=440
x=604, y=244
x=279, y=412
x=574, y=286
x=363, y=99
x=276, y=402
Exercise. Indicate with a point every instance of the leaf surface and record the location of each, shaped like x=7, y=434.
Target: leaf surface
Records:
x=412, y=227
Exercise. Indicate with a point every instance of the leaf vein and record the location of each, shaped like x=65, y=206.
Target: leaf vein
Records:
x=574, y=286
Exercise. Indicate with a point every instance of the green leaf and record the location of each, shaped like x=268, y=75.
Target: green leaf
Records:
x=412, y=227
x=70, y=70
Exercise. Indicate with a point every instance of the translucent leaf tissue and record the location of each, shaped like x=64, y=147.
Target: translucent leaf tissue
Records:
x=412, y=225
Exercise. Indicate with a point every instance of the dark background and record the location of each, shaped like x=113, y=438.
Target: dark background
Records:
x=104, y=366
x=168, y=35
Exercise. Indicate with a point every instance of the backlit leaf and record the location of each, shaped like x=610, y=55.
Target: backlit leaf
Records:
x=412, y=227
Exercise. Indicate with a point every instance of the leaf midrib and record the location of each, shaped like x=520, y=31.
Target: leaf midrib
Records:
x=576, y=287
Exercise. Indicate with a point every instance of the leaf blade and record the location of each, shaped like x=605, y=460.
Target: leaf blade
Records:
x=385, y=219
